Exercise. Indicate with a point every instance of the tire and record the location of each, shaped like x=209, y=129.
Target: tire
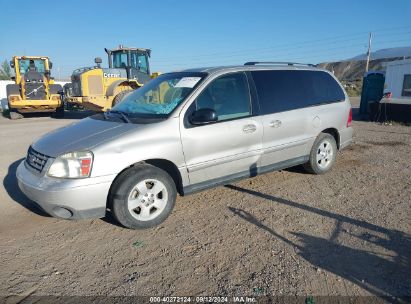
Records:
x=55, y=89
x=15, y=115
x=12, y=89
x=59, y=112
x=119, y=97
x=323, y=154
x=134, y=204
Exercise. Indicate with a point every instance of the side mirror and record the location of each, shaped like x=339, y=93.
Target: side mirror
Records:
x=12, y=64
x=203, y=117
x=387, y=95
x=50, y=65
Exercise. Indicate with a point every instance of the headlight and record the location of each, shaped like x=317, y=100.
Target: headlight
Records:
x=72, y=165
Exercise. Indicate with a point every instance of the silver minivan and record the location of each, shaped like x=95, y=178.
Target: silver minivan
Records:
x=185, y=132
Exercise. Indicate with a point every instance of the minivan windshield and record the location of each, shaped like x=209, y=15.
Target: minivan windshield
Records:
x=160, y=96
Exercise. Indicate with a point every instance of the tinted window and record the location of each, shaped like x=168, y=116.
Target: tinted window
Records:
x=406, y=87
x=280, y=91
x=120, y=59
x=228, y=95
x=139, y=61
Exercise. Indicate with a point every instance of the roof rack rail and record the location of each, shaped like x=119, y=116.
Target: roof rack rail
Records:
x=279, y=63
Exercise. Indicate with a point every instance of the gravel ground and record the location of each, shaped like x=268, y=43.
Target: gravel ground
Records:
x=346, y=233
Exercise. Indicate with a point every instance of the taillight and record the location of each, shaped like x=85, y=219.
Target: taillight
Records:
x=349, y=120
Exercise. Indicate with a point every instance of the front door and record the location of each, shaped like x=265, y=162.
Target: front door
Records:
x=228, y=148
x=139, y=67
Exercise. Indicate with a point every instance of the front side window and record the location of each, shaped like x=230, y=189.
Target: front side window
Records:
x=160, y=96
x=120, y=60
x=139, y=61
x=228, y=96
x=406, y=87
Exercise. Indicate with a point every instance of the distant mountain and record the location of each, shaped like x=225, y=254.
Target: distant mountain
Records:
x=352, y=70
x=386, y=53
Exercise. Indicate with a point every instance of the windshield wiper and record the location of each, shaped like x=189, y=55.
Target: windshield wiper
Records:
x=122, y=114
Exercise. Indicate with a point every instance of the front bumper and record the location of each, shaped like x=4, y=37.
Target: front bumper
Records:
x=33, y=105
x=66, y=198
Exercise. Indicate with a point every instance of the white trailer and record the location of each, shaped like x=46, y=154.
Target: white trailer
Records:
x=398, y=81
x=396, y=102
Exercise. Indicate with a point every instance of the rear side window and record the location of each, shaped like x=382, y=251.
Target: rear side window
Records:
x=280, y=91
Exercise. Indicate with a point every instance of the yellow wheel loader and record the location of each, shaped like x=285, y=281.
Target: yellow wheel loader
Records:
x=34, y=89
x=96, y=88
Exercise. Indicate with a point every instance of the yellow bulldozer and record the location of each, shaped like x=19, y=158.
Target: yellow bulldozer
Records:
x=99, y=89
x=34, y=89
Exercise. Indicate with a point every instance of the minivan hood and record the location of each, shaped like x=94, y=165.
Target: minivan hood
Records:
x=80, y=136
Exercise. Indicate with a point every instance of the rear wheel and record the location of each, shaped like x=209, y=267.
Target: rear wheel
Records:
x=142, y=197
x=323, y=154
x=119, y=97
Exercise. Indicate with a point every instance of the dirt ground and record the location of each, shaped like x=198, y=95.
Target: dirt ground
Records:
x=346, y=233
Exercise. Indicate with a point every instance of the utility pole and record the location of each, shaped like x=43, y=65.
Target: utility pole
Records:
x=368, y=53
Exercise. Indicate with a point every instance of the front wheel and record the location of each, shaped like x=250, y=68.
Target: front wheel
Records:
x=59, y=112
x=119, y=97
x=322, y=155
x=142, y=197
x=15, y=115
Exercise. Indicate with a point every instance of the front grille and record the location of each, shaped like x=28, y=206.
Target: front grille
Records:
x=36, y=160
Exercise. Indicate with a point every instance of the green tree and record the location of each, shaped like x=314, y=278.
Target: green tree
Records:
x=5, y=71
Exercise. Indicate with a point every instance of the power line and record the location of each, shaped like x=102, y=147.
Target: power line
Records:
x=289, y=52
x=278, y=52
x=240, y=52
x=335, y=38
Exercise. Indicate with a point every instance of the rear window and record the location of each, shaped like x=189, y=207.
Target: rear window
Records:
x=280, y=91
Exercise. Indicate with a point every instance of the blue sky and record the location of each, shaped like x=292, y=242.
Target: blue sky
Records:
x=195, y=33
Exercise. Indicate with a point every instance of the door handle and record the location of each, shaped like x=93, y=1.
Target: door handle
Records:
x=249, y=128
x=275, y=123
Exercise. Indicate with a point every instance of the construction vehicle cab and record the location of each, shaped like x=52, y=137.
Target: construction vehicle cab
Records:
x=99, y=89
x=34, y=89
